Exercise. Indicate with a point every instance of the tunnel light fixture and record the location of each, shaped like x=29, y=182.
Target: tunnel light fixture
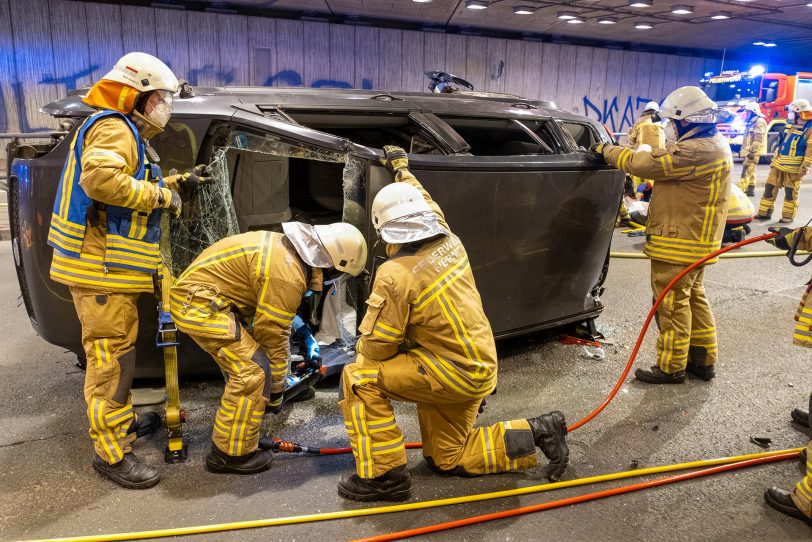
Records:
x=770, y=44
x=720, y=15
x=476, y=4
x=759, y=42
x=523, y=10
x=607, y=20
x=682, y=10
x=422, y=1
x=567, y=15
x=575, y=21
x=640, y=3
x=643, y=25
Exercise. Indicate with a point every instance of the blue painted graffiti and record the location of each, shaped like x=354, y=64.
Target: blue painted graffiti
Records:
x=292, y=78
x=222, y=77
x=607, y=113
x=69, y=80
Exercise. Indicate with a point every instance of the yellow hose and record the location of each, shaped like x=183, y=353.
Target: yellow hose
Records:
x=760, y=254
x=344, y=514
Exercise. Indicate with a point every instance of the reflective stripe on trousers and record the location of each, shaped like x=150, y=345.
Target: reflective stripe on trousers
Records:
x=684, y=318
x=446, y=419
x=791, y=183
x=109, y=330
x=802, y=494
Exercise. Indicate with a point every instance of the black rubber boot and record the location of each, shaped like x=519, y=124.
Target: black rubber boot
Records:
x=145, y=424
x=129, y=472
x=800, y=416
x=656, y=376
x=256, y=461
x=394, y=485
x=781, y=500
x=549, y=434
x=764, y=217
x=751, y=191
x=702, y=372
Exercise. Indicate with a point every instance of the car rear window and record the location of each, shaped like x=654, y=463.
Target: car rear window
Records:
x=582, y=134
x=371, y=130
x=502, y=137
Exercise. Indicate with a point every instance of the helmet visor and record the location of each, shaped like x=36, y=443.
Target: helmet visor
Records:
x=409, y=229
x=165, y=96
x=307, y=244
x=712, y=115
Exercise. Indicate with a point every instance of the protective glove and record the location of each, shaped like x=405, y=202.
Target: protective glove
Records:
x=310, y=348
x=169, y=199
x=394, y=159
x=597, y=148
x=275, y=403
x=194, y=177
x=785, y=238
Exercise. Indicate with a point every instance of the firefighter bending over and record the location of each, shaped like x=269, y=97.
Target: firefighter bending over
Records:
x=425, y=340
x=258, y=277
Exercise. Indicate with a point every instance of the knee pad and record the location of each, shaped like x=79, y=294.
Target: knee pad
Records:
x=126, y=365
x=768, y=191
x=261, y=359
x=789, y=194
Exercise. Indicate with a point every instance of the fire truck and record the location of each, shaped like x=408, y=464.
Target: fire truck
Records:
x=773, y=92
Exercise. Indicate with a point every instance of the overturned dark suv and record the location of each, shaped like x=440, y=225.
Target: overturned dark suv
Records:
x=535, y=212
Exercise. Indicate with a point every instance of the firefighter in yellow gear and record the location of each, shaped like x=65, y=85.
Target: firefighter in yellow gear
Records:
x=105, y=233
x=791, y=163
x=647, y=131
x=686, y=220
x=259, y=277
x=754, y=146
x=425, y=339
x=798, y=502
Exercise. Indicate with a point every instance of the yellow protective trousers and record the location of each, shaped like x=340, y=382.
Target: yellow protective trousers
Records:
x=802, y=494
x=791, y=183
x=248, y=387
x=109, y=329
x=684, y=318
x=451, y=444
x=748, y=175
x=803, y=318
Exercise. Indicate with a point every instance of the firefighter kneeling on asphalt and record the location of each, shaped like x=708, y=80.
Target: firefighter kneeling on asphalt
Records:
x=686, y=219
x=257, y=277
x=425, y=339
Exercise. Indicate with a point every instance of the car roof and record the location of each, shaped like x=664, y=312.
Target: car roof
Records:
x=224, y=99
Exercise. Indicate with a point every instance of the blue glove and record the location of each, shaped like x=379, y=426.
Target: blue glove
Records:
x=312, y=352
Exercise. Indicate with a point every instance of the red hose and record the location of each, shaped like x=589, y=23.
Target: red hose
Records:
x=651, y=314
x=419, y=531
x=630, y=363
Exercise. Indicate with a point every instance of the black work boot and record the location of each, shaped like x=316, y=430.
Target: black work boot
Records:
x=800, y=416
x=221, y=462
x=656, y=376
x=393, y=485
x=764, y=217
x=144, y=424
x=781, y=500
x=129, y=472
x=751, y=191
x=702, y=372
x=549, y=434
x=802, y=462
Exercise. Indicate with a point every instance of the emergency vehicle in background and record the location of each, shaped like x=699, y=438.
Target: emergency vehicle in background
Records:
x=772, y=91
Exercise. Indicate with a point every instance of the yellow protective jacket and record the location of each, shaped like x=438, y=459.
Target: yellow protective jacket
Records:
x=108, y=159
x=425, y=301
x=686, y=215
x=755, y=138
x=646, y=132
x=794, y=152
x=256, y=275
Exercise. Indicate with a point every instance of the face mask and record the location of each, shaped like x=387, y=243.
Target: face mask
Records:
x=160, y=114
x=670, y=131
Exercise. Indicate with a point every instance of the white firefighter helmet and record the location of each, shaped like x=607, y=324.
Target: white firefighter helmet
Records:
x=800, y=105
x=338, y=245
x=401, y=215
x=753, y=107
x=691, y=104
x=652, y=106
x=144, y=73
x=345, y=245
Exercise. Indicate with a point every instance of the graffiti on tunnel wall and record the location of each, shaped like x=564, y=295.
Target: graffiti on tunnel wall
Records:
x=70, y=82
x=615, y=116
